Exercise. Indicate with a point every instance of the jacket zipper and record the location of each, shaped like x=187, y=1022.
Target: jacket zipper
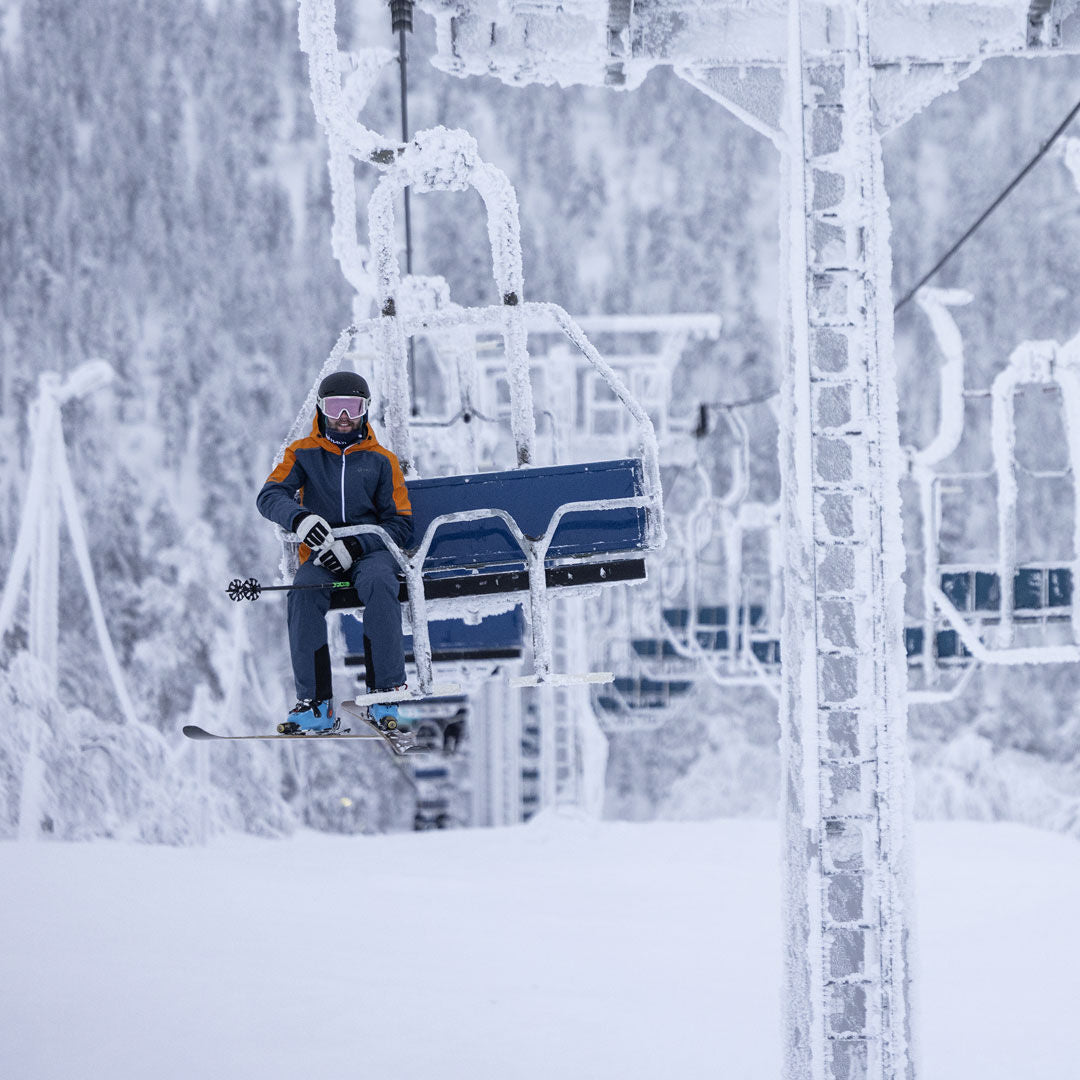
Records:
x=344, y=520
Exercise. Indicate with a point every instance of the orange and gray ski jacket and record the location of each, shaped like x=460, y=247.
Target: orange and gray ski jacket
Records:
x=360, y=485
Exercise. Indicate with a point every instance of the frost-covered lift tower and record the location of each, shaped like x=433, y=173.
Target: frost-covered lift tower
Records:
x=822, y=81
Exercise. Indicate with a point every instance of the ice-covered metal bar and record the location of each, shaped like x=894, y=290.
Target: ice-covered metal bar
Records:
x=936, y=303
x=340, y=85
x=443, y=160
x=1046, y=363
x=536, y=314
x=51, y=491
x=616, y=43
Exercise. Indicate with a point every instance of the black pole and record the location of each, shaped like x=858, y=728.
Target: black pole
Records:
x=401, y=21
x=252, y=588
x=405, y=139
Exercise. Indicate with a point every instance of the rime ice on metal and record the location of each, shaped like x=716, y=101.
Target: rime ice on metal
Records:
x=988, y=605
x=37, y=548
x=842, y=709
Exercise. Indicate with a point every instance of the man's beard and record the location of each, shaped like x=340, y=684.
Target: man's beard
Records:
x=344, y=438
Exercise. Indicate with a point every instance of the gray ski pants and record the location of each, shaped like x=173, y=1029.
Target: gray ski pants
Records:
x=375, y=579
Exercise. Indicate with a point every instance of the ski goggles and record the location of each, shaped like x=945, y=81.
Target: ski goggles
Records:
x=333, y=407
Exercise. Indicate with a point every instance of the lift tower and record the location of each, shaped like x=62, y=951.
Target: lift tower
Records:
x=842, y=712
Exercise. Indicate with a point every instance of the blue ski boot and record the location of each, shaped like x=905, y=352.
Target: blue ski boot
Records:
x=307, y=715
x=385, y=716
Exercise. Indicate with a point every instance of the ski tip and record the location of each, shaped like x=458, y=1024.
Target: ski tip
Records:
x=192, y=731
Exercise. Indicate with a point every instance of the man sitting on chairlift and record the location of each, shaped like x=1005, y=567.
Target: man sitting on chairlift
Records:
x=337, y=476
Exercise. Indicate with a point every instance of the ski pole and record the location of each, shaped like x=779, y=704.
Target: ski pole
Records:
x=250, y=589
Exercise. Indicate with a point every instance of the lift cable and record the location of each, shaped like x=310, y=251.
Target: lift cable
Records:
x=401, y=21
x=401, y=12
x=991, y=208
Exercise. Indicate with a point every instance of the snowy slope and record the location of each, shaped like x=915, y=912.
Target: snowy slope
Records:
x=559, y=949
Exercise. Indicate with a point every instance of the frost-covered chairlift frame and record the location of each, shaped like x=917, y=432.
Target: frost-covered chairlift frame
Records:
x=475, y=389
x=982, y=605
x=681, y=629
x=601, y=427
x=688, y=641
x=447, y=161
x=732, y=517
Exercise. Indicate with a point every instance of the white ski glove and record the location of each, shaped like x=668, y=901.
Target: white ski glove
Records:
x=313, y=531
x=335, y=557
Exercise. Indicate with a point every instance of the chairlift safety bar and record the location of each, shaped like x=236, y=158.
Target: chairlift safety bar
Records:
x=534, y=551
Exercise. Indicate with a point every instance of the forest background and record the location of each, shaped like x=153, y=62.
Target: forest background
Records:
x=164, y=206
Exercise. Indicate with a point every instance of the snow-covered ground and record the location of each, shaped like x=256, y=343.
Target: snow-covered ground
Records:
x=562, y=949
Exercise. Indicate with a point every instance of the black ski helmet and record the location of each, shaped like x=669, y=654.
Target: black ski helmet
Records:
x=344, y=384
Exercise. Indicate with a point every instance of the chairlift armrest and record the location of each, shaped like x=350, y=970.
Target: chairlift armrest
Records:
x=357, y=530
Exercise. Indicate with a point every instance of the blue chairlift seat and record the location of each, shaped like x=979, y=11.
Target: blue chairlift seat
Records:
x=709, y=618
x=712, y=631
x=481, y=557
x=1059, y=587
x=531, y=497
x=947, y=645
x=497, y=637
x=643, y=693
x=767, y=651
x=654, y=649
x=1027, y=589
x=1041, y=595
x=914, y=642
x=1038, y=588
x=436, y=772
x=1035, y=589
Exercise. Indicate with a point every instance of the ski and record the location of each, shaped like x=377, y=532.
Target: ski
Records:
x=357, y=709
x=193, y=731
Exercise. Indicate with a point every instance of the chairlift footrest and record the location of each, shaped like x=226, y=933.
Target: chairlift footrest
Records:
x=583, y=678
x=382, y=696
